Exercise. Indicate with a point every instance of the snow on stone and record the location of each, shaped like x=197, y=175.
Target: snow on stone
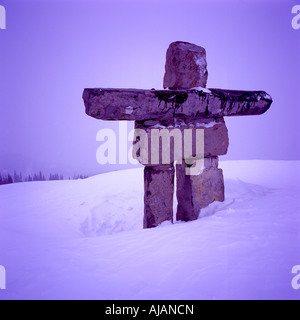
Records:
x=179, y=124
x=84, y=239
x=205, y=90
x=129, y=110
x=266, y=96
x=206, y=125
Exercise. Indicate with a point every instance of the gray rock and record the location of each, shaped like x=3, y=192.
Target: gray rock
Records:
x=186, y=66
x=159, y=193
x=216, y=140
x=139, y=105
x=197, y=192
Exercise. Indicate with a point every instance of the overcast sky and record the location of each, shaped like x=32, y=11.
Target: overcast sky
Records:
x=53, y=49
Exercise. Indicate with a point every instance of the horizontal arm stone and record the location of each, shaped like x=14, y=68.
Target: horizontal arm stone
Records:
x=138, y=105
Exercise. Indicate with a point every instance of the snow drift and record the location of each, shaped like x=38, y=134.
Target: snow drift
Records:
x=84, y=239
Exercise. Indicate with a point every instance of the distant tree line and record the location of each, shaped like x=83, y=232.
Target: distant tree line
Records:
x=18, y=177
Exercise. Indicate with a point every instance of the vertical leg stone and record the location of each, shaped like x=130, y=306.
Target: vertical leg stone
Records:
x=197, y=192
x=159, y=192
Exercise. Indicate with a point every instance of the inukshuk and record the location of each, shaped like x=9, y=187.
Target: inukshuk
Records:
x=183, y=110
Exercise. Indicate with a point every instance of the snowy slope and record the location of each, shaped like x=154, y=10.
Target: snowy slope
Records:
x=84, y=239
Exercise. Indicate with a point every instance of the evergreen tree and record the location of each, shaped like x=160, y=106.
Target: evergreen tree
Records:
x=17, y=177
x=9, y=179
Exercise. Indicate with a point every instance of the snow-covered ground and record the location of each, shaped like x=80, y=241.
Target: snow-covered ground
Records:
x=84, y=239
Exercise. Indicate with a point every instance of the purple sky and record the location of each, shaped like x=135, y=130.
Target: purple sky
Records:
x=52, y=50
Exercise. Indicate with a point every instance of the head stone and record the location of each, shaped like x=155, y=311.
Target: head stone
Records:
x=186, y=66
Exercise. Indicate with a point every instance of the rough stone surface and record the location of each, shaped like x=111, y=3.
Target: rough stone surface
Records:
x=216, y=140
x=159, y=193
x=197, y=192
x=139, y=105
x=186, y=66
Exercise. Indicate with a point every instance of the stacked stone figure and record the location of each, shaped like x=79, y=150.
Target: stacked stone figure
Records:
x=185, y=109
x=186, y=68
